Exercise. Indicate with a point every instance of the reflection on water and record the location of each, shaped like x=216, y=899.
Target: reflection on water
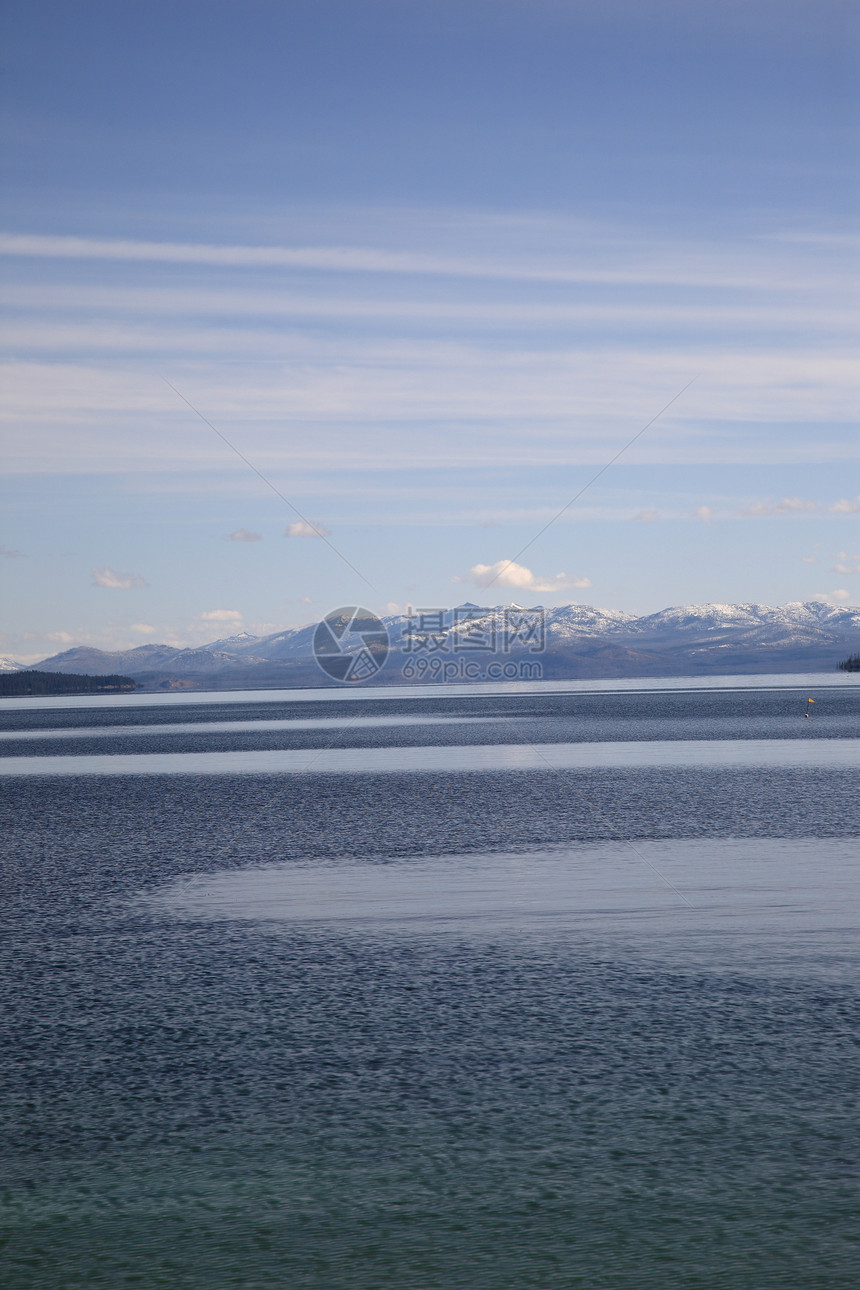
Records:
x=825, y=754
x=632, y=685
x=244, y=727
x=761, y=890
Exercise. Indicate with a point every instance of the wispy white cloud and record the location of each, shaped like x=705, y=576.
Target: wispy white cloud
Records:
x=302, y=529
x=232, y=616
x=506, y=573
x=244, y=535
x=846, y=506
x=433, y=369
x=662, y=265
x=117, y=581
x=465, y=376
x=838, y=597
x=181, y=312
x=705, y=513
x=787, y=506
x=846, y=563
x=539, y=408
x=810, y=559
x=650, y=516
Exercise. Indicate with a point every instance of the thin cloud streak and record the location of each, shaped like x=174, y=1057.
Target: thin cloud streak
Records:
x=568, y=505
x=365, y=260
x=122, y=302
x=269, y=484
x=388, y=382
x=787, y=506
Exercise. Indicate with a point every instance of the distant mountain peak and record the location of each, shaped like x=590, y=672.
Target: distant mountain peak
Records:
x=581, y=640
x=241, y=638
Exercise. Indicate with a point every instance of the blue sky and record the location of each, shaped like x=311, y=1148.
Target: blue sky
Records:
x=428, y=266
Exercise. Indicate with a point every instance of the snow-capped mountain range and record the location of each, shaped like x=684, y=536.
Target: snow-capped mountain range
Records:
x=576, y=640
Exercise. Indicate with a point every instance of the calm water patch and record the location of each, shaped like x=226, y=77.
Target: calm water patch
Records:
x=798, y=898
x=504, y=689
x=243, y=727
x=828, y=754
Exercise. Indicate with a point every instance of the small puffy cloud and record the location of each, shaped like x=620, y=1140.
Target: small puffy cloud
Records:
x=837, y=597
x=62, y=638
x=303, y=529
x=706, y=513
x=846, y=563
x=647, y=517
x=786, y=506
x=809, y=559
x=117, y=581
x=10, y=553
x=231, y=616
x=244, y=535
x=505, y=573
x=846, y=506
x=144, y=629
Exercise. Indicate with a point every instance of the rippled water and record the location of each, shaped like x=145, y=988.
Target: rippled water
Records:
x=478, y=1022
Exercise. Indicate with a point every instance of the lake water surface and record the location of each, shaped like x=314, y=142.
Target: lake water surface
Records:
x=524, y=987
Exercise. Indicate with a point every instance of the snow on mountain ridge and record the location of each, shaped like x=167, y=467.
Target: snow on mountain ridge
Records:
x=241, y=638
x=692, y=628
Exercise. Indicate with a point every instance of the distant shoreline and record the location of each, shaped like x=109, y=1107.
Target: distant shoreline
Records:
x=37, y=684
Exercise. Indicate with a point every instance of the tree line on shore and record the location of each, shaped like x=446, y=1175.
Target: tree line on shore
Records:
x=34, y=682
